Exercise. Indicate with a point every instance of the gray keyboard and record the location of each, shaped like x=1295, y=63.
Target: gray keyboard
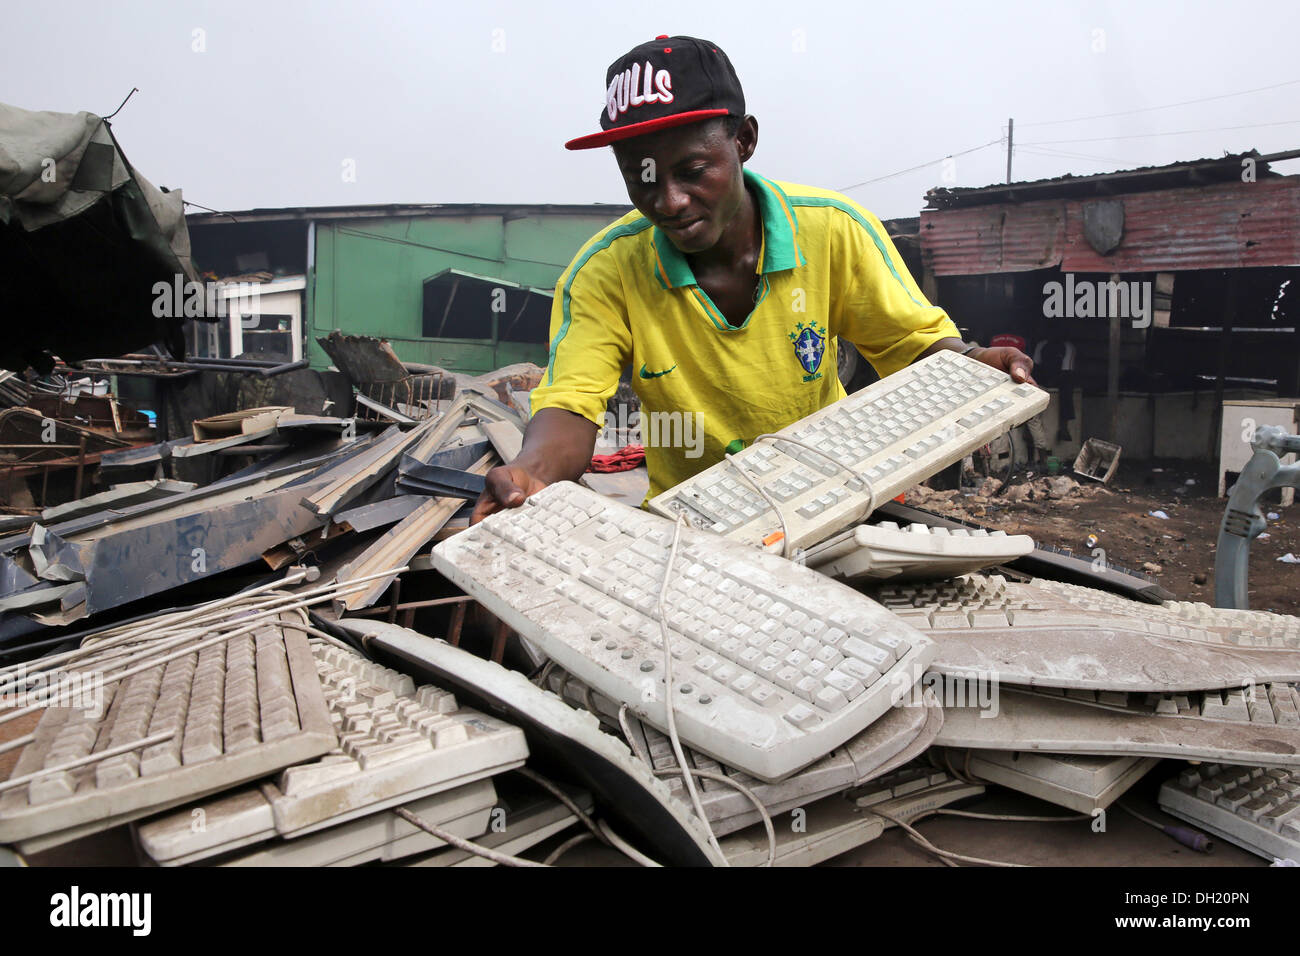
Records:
x=1046, y=634
x=775, y=664
x=888, y=550
x=236, y=710
x=1242, y=627
x=893, y=433
x=1277, y=704
x=1213, y=725
x=1256, y=808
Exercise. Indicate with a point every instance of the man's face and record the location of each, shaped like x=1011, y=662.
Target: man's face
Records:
x=687, y=180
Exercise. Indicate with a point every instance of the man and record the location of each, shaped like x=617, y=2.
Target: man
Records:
x=724, y=291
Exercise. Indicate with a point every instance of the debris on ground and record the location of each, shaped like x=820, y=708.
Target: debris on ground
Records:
x=1119, y=515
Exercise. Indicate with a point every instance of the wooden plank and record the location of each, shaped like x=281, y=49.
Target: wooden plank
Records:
x=399, y=545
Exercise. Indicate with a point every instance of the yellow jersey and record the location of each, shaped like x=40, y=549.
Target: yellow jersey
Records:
x=828, y=271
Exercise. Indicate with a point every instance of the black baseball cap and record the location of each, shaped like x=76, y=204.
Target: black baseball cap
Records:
x=669, y=81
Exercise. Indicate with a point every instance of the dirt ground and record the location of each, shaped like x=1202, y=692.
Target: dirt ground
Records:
x=1178, y=552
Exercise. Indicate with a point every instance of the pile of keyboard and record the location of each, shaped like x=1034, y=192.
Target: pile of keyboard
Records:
x=775, y=669
x=821, y=686
x=398, y=745
x=220, y=715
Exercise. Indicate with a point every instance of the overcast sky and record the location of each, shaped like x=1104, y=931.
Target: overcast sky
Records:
x=246, y=104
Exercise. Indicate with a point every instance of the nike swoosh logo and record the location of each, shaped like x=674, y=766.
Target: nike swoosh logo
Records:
x=648, y=374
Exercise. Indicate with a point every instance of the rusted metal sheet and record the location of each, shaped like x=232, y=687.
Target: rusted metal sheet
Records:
x=1227, y=226
x=992, y=239
x=1221, y=226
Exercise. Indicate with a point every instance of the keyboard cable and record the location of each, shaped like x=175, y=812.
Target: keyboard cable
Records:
x=946, y=855
x=707, y=775
x=669, y=718
x=785, y=531
x=460, y=843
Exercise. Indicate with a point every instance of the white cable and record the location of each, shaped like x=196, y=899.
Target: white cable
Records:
x=566, y=846
x=745, y=791
x=540, y=679
x=631, y=741
x=563, y=797
x=707, y=775
x=624, y=847
x=460, y=843
x=669, y=718
x=914, y=835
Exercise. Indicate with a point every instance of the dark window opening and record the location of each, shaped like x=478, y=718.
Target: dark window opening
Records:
x=458, y=305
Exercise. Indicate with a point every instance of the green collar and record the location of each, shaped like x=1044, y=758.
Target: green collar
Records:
x=780, y=248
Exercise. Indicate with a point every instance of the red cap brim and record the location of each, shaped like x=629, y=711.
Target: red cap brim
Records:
x=605, y=137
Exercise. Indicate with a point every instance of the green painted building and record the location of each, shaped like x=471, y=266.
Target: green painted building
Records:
x=466, y=287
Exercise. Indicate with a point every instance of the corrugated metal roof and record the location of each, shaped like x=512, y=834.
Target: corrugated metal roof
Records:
x=1222, y=226
x=1195, y=172
x=399, y=210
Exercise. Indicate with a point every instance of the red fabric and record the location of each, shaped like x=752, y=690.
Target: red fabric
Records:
x=1006, y=339
x=625, y=459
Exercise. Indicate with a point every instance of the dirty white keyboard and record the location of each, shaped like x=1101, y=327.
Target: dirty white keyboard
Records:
x=1253, y=807
x=775, y=665
x=1277, y=704
x=1218, y=726
x=1081, y=782
x=888, y=550
x=384, y=837
x=1240, y=626
x=235, y=710
x=901, y=783
x=397, y=743
x=1047, y=634
x=894, y=433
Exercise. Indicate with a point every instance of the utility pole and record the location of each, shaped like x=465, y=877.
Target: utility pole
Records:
x=1011, y=128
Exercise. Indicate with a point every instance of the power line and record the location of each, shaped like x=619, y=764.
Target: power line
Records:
x=911, y=169
x=1069, y=154
x=1168, y=106
x=1181, y=132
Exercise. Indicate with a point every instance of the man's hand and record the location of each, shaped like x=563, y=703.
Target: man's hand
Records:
x=1010, y=360
x=505, y=486
x=557, y=447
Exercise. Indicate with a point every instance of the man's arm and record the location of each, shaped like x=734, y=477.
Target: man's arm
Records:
x=1010, y=360
x=557, y=447
x=590, y=345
